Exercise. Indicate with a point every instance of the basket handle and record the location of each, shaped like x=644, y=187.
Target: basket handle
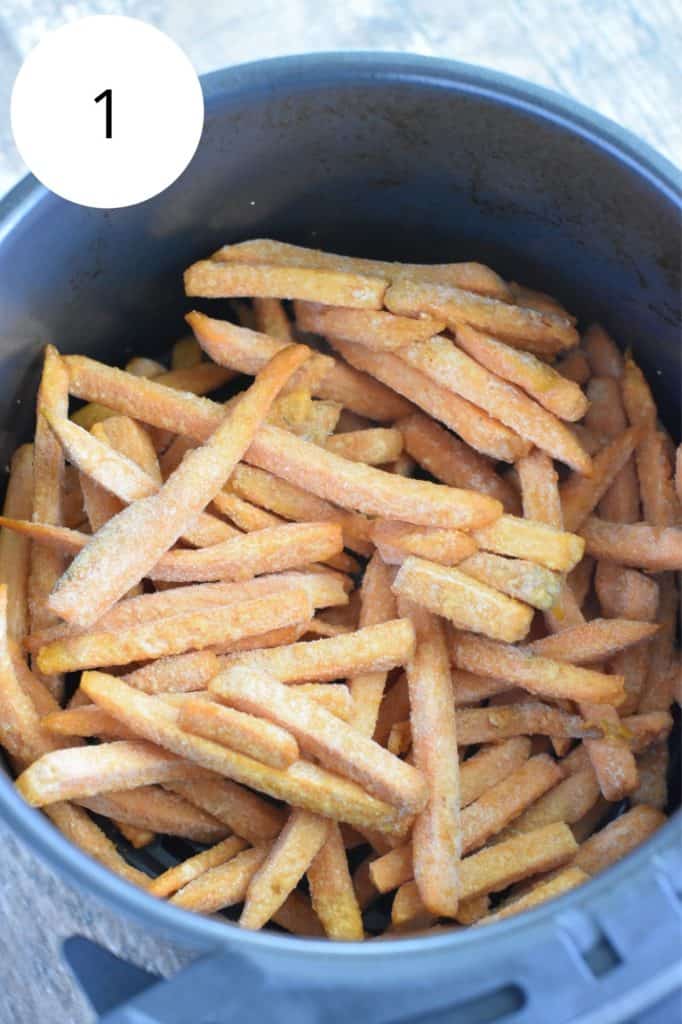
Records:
x=614, y=957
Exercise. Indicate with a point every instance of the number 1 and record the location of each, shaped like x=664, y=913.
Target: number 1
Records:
x=107, y=96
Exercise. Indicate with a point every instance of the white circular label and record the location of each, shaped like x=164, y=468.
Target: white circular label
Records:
x=107, y=111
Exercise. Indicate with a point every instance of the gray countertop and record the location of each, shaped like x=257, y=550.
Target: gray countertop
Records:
x=617, y=56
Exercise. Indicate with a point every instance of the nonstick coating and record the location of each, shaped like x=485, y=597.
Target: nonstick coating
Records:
x=375, y=155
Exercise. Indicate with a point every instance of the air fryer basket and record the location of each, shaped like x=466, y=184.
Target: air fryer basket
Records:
x=399, y=158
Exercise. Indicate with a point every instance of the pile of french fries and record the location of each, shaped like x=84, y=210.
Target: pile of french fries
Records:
x=396, y=618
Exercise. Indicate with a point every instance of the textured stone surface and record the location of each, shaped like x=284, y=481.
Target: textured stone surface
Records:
x=617, y=56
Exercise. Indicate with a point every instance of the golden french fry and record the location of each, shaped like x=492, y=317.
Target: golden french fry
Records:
x=436, y=833
x=652, y=548
x=176, y=634
x=88, y=720
x=302, y=784
x=531, y=540
x=130, y=544
x=481, y=431
x=15, y=551
x=214, y=280
x=548, y=387
x=322, y=735
x=547, y=678
x=453, y=462
x=396, y=541
x=285, y=864
x=256, y=737
x=463, y=600
x=474, y=276
x=543, y=332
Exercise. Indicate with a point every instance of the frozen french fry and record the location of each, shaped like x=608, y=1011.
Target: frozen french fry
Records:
x=222, y=885
x=539, y=380
x=497, y=867
x=377, y=605
x=374, y=447
x=332, y=891
x=256, y=737
x=625, y=593
x=574, y=366
x=603, y=355
x=481, y=431
x=176, y=634
x=48, y=479
x=652, y=548
x=325, y=737
x=562, y=882
x=396, y=541
x=77, y=772
x=151, y=807
x=375, y=329
x=526, y=581
x=271, y=318
x=531, y=540
x=566, y=802
x=494, y=723
x=375, y=648
x=580, y=495
x=174, y=878
x=618, y=838
x=453, y=462
x=436, y=833
x=81, y=830
x=594, y=641
x=131, y=543
x=542, y=332
x=274, y=549
x=285, y=864
x=178, y=673
x=244, y=812
x=474, y=276
x=215, y=280
x=302, y=784
x=15, y=550
x=292, y=502
x=543, y=676
x=463, y=600
x=489, y=766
